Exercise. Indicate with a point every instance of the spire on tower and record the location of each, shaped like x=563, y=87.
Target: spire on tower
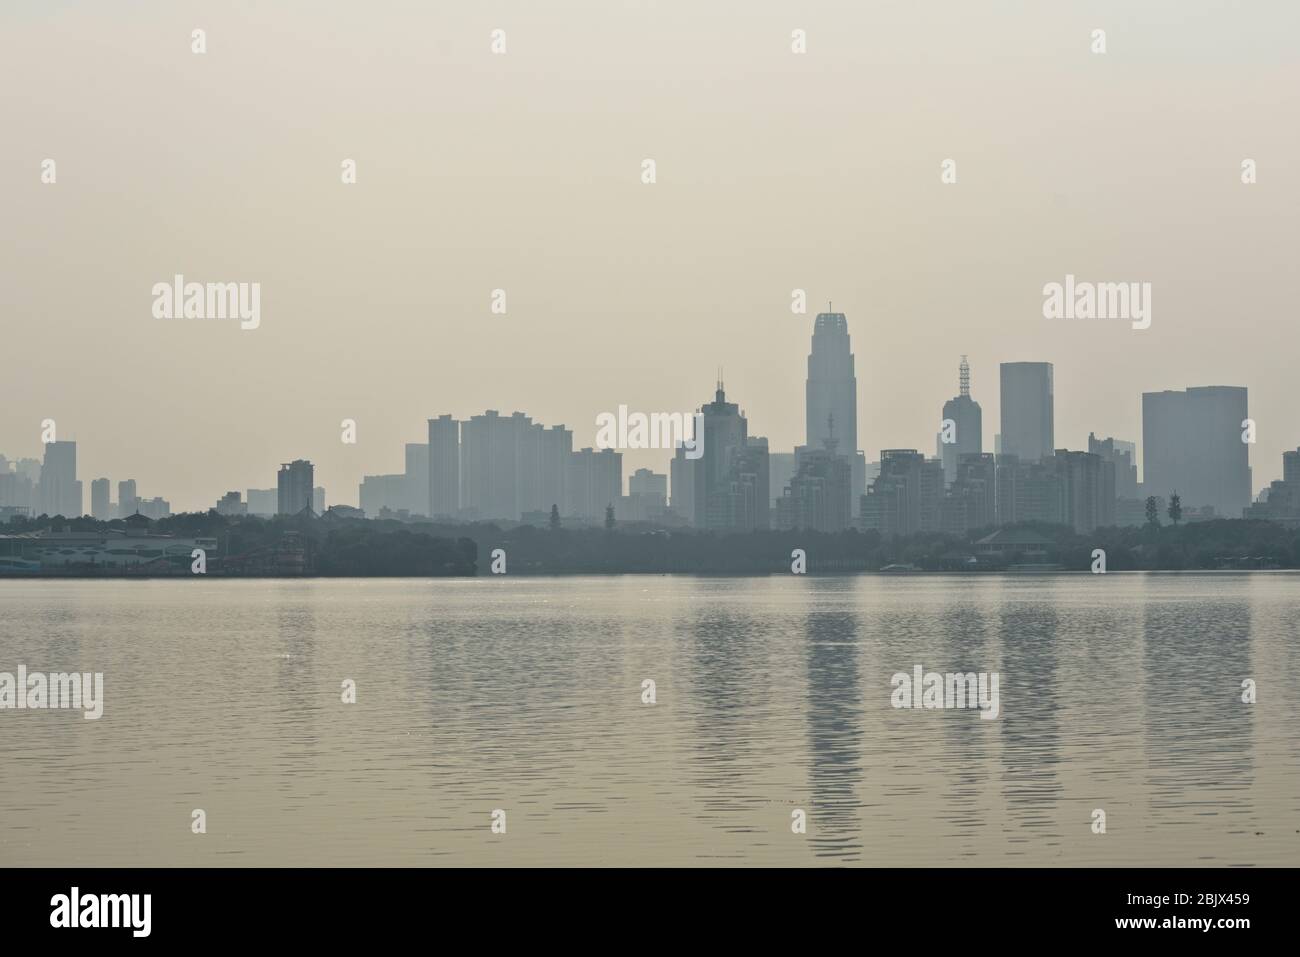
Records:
x=965, y=377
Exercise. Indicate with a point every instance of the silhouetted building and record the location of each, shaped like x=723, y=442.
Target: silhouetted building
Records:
x=263, y=502
x=681, y=473
x=1280, y=502
x=126, y=498
x=1192, y=444
x=968, y=424
x=730, y=480
x=101, y=507
x=17, y=492
x=18, y=486
x=1028, y=491
x=593, y=483
x=1124, y=456
x=781, y=467
x=154, y=508
x=60, y=492
x=646, y=499
x=415, y=496
x=294, y=487
x=444, y=467
x=1027, y=411
x=906, y=496
x=382, y=493
x=818, y=495
x=971, y=500
x=831, y=392
x=231, y=504
x=1087, y=485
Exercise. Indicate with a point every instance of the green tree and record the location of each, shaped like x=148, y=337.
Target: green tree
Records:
x=1153, y=512
x=1175, y=508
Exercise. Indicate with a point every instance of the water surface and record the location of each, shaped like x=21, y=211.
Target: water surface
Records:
x=1119, y=692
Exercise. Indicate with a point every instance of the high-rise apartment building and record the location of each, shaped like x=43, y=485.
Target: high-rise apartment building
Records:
x=60, y=492
x=906, y=497
x=444, y=467
x=294, y=485
x=101, y=507
x=127, y=501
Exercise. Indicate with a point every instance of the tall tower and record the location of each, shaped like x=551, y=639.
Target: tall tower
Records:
x=60, y=491
x=1027, y=410
x=968, y=426
x=729, y=481
x=832, y=390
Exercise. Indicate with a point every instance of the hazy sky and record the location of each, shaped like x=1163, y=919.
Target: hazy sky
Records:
x=522, y=171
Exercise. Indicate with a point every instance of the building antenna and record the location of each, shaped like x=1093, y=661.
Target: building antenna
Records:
x=965, y=377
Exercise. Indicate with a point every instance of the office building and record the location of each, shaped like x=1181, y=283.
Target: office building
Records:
x=1028, y=415
x=962, y=424
x=1192, y=444
x=831, y=394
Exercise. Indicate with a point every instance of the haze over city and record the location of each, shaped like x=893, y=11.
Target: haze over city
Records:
x=774, y=172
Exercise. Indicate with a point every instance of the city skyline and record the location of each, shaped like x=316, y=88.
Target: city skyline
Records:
x=376, y=297
x=1032, y=418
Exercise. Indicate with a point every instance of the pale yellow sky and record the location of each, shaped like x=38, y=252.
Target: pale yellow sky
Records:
x=522, y=172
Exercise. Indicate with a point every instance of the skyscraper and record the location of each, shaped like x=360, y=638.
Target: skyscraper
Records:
x=967, y=426
x=831, y=394
x=730, y=477
x=416, y=497
x=557, y=448
x=444, y=467
x=1027, y=411
x=126, y=498
x=294, y=485
x=593, y=483
x=100, y=507
x=60, y=492
x=1192, y=444
x=1087, y=488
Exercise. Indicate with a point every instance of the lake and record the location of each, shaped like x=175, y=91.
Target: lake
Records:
x=1119, y=693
